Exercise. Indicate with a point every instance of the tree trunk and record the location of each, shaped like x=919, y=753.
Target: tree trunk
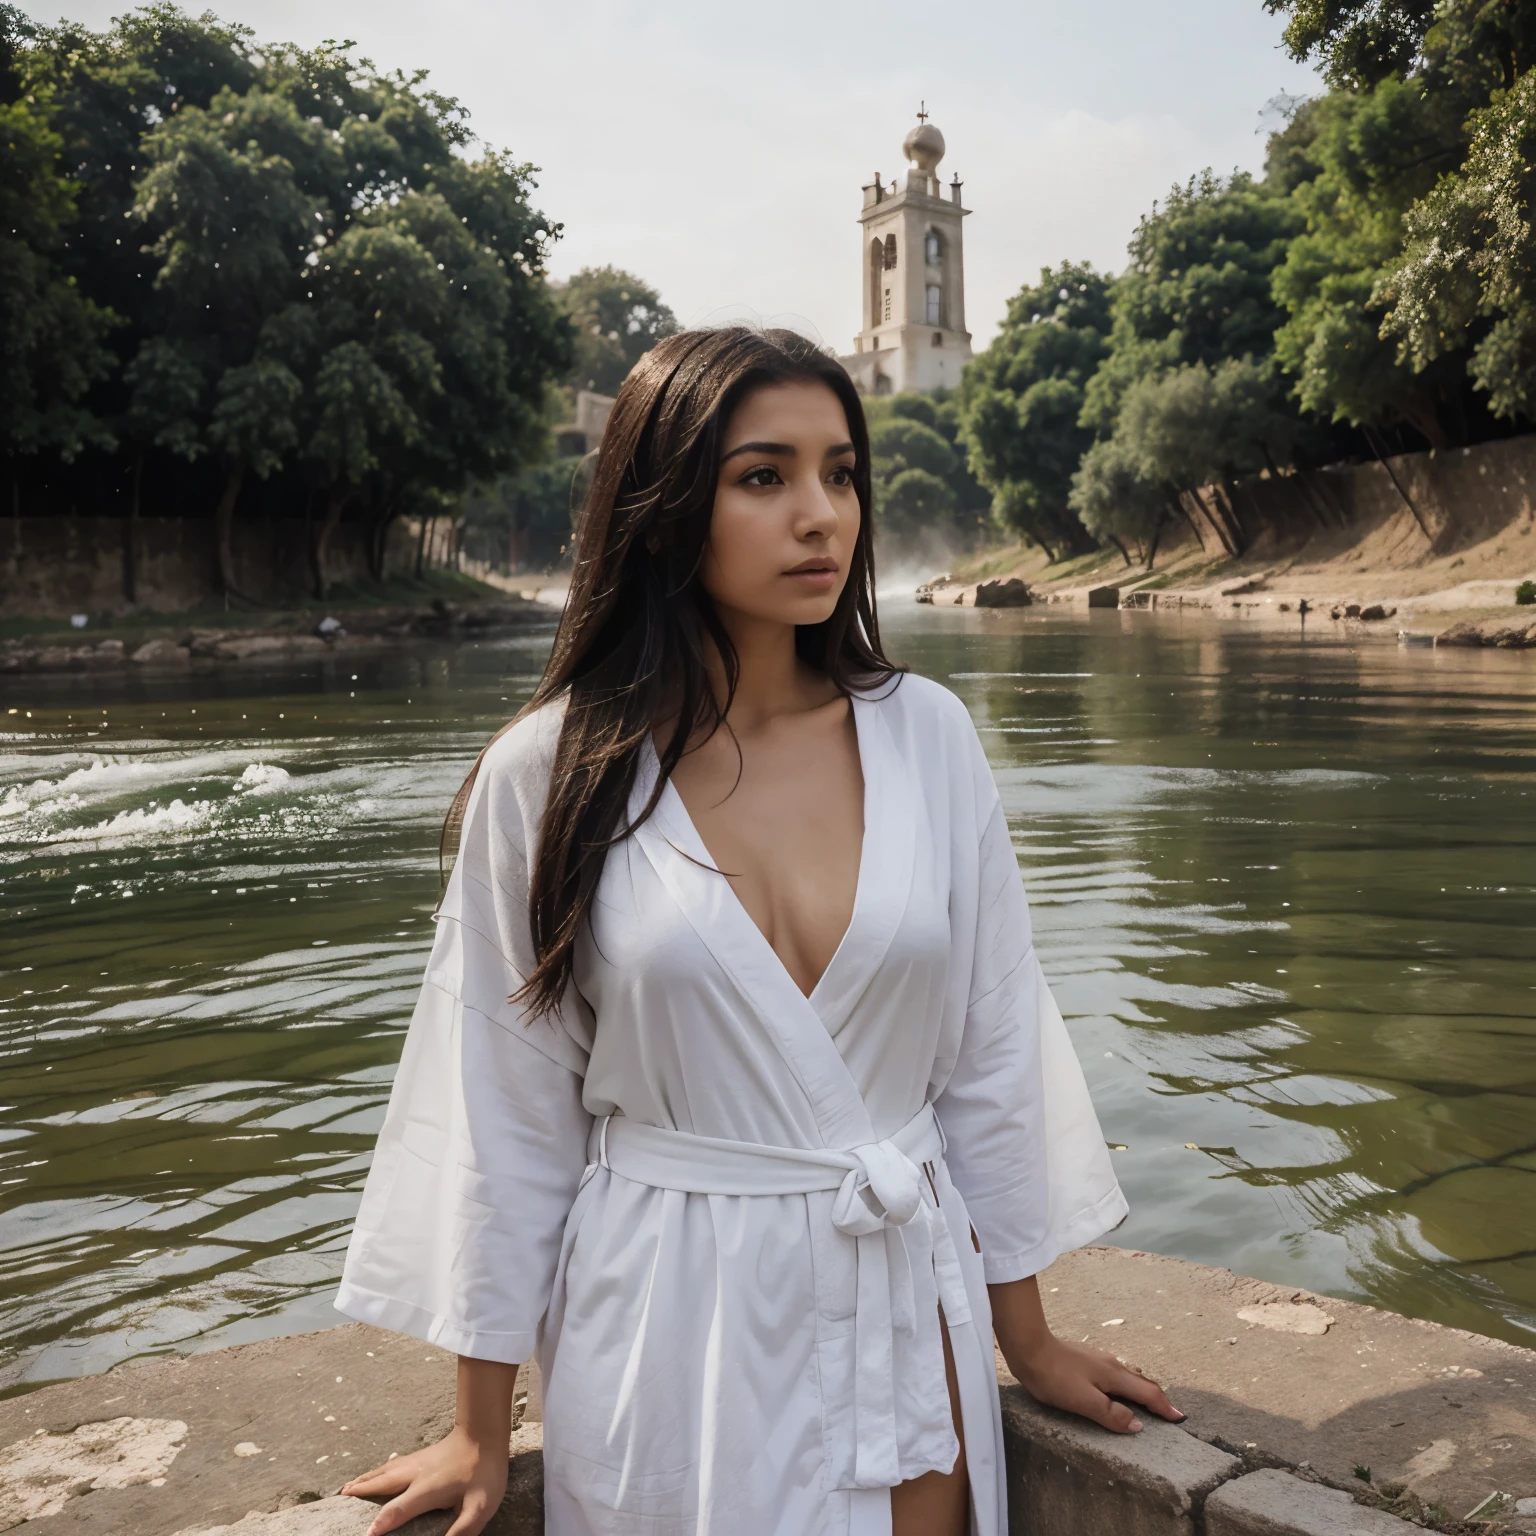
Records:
x=1397, y=484
x=1424, y=420
x=320, y=548
x=131, y=536
x=1156, y=539
x=421, y=547
x=1124, y=553
x=223, y=528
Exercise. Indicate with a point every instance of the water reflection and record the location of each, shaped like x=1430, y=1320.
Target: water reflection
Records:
x=1284, y=892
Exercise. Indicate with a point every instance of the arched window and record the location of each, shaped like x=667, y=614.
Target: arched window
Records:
x=876, y=267
x=890, y=252
x=935, y=304
x=933, y=248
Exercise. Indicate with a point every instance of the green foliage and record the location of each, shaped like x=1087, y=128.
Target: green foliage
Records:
x=316, y=281
x=1525, y=594
x=1363, y=161
x=523, y=521
x=1021, y=400
x=1473, y=45
x=923, y=489
x=1470, y=259
x=616, y=317
x=1115, y=500
x=51, y=335
x=1198, y=286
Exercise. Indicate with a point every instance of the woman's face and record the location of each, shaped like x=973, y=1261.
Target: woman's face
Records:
x=786, y=514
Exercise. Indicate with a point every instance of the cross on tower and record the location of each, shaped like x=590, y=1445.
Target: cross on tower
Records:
x=922, y=111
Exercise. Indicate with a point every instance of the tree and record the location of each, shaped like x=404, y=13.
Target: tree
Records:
x=1360, y=161
x=1179, y=431
x=1021, y=401
x=524, y=520
x=1116, y=501
x=1198, y=287
x=1475, y=46
x=616, y=318
x=924, y=493
x=1467, y=276
x=51, y=335
x=327, y=293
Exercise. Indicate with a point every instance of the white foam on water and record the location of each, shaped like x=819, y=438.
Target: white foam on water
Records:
x=131, y=826
x=261, y=776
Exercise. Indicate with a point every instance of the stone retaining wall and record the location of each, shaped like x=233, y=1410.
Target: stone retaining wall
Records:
x=1286, y=1394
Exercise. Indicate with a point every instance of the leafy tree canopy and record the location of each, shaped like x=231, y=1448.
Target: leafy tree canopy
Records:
x=1359, y=161
x=1467, y=275
x=1198, y=285
x=1021, y=400
x=616, y=317
x=315, y=276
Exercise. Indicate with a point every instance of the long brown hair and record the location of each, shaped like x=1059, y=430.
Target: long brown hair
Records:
x=637, y=629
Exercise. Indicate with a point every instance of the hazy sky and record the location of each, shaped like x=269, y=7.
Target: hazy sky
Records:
x=717, y=149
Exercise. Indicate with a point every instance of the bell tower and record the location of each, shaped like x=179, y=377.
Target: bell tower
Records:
x=914, y=335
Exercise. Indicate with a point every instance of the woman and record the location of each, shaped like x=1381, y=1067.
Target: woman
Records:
x=734, y=1091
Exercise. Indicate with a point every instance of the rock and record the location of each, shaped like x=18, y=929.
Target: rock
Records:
x=40, y=1474
x=111, y=650
x=1375, y=612
x=1288, y=1317
x=323, y=1517
x=244, y=647
x=1273, y=1503
x=1103, y=597
x=159, y=653
x=1012, y=593
x=1352, y=610
x=1525, y=1506
x=329, y=628
x=1490, y=632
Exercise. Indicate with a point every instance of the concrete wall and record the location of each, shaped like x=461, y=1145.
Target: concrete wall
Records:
x=56, y=565
x=1460, y=495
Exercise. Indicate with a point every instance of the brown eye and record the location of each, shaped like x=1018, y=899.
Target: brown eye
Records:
x=764, y=474
x=842, y=475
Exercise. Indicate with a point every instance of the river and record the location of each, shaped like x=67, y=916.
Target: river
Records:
x=1284, y=889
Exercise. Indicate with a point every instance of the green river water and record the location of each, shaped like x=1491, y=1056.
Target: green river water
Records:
x=1285, y=891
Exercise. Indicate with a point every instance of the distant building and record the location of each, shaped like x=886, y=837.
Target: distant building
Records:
x=914, y=335
x=582, y=434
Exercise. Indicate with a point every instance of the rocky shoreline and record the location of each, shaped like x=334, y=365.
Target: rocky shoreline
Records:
x=1430, y=620
x=356, y=630
x=1308, y=1416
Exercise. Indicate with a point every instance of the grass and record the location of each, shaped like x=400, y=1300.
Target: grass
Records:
x=397, y=592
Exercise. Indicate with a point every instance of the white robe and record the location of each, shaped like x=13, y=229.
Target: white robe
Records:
x=690, y=1192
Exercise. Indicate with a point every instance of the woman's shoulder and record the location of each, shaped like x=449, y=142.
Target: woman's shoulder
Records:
x=521, y=755
x=910, y=701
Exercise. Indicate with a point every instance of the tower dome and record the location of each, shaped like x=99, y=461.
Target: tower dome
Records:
x=924, y=146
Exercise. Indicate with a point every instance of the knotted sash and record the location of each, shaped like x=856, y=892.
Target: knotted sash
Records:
x=880, y=1187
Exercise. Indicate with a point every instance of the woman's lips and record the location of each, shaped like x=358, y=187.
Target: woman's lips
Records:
x=817, y=578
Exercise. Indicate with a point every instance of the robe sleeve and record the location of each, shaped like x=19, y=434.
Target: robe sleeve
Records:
x=484, y=1143
x=1023, y=1143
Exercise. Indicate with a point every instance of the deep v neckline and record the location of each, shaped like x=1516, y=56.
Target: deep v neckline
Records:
x=699, y=852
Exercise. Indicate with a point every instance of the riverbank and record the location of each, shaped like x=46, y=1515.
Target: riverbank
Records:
x=1287, y=1394
x=445, y=607
x=1380, y=575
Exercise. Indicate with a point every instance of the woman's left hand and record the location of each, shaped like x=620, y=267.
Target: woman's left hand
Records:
x=1086, y=1381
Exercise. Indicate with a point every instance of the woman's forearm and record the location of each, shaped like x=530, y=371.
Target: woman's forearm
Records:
x=1018, y=1320
x=484, y=1411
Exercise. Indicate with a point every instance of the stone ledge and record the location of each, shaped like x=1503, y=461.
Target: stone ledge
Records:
x=1071, y=1478
x=1274, y=1503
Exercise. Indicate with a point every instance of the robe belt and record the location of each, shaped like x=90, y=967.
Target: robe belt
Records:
x=882, y=1202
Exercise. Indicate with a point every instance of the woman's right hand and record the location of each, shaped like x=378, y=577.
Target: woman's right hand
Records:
x=457, y=1473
